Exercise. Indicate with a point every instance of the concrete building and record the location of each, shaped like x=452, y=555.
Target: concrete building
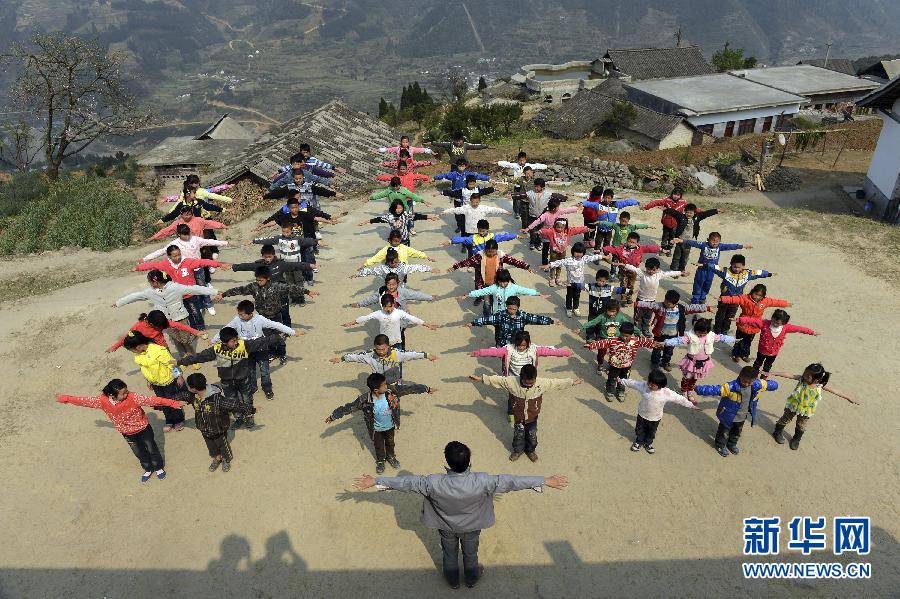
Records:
x=882, y=71
x=555, y=83
x=720, y=104
x=841, y=65
x=883, y=178
x=822, y=88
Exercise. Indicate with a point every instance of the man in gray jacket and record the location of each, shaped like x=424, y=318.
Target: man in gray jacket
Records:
x=459, y=504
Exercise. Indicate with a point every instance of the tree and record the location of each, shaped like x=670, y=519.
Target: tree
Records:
x=74, y=91
x=457, y=85
x=382, y=108
x=18, y=147
x=482, y=84
x=621, y=116
x=727, y=59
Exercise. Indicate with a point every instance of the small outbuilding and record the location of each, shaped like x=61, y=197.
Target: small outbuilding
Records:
x=822, y=88
x=883, y=177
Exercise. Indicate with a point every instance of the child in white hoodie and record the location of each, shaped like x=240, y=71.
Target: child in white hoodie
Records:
x=654, y=396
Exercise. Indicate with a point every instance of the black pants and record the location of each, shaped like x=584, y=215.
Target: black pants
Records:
x=661, y=356
x=593, y=332
x=469, y=252
x=763, y=362
x=573, y=294
x=645, y=431
x=534, y=238
x=450, y=543
x=614, y=373
x=603, y=238
x=241, y=389
x=219, y=446
x=680, y=256
x=171, y=391
x=545, y=252
x=741, y=347
x=727, y=436
x=725, y=313
x=384, y=444
x=525, y=437
x=144, y=447
x=668, y=234
x=460, y=222
x=276, y=350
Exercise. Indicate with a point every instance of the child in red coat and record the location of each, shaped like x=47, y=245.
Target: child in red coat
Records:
x=559, y=238
x=631, y=253
x=676, y=202
x=772, y=334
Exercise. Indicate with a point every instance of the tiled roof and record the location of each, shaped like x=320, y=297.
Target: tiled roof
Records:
x=226, y=128
x=841, y=65
x=336, y=133
x=884, y=69
x=174, y=151
x=659, y=63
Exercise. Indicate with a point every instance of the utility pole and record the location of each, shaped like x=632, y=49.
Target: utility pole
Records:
x=678, y=37
x=827, y=52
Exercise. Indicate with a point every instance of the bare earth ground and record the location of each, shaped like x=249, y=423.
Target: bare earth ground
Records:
x=285, y=522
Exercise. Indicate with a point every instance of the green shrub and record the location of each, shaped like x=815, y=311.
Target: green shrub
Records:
x=96, y=213
x=20, y=190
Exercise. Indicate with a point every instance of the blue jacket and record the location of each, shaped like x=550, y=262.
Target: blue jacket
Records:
x=458, y=179
x=612, y=210
x=731, y=398
x=711, y=255
x=733, y=284
x=477, y=241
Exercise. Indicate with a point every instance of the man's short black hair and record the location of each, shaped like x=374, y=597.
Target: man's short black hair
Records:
x=458, y=456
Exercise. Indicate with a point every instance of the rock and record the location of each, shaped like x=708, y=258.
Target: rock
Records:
x=619, y=146
x=706, y=180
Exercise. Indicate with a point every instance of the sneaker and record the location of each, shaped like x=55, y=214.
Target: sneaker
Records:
x=238, y=422
x=318, y=235
x=211, y=311
x=635, y=446
x=514, y=456
x=214, y=465
x=413, y=233
x=551, y=282
x=667, y=367
x=722, y=452
x=167, y=428
x=226, y=466
x=379, y=467
x=569, y=313
x=161, y=474
x=394, y=462
x=512, y=419
x=282, y=360
x=576, y=313
x=607, y=395
x=269, y=394
x=532, y=456
x=179, y=427
x=198, y=366
x=146, y=476
x=735, y=450
x=620, y=396
x=649, y=448
x=249, y=423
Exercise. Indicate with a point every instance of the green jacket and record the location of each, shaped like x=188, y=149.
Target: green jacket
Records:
x=620, y=233
x=402, y=194
x=609, y=327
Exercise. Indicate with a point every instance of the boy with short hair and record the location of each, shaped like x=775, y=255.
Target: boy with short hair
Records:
x=710, y=252
x=632, y=252
x=472, y=213
x=488, y=263
x=277, y=270
x=458, y=148
x=392, y=321
x=734, y=279
x=600, y=210
x=622, y=352
x=654, y=396
x=380, y=406
x=507, y=322
x=648, y=285
x=291, y=248
x=476, y=242
x=687, y=227
x=670, y=320
x=393, y=264
x=518, y=167
x=404, y=252
x=574, y=266
x=385, y=360
x=462, y=185
x=521, y=186
x=676, y=202
x=599, y=292
x=211, y=417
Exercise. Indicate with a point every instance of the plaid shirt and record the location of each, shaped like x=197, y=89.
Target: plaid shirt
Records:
x=507, y=325
x=211, y=413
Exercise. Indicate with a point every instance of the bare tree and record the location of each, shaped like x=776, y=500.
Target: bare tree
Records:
x=74, y=92
x=457, y=84
x=18, y=146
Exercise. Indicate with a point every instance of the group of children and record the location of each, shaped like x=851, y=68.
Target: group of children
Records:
x=180, y=291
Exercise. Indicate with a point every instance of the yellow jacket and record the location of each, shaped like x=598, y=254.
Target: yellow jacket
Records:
x=155, y=365
x=404, y=252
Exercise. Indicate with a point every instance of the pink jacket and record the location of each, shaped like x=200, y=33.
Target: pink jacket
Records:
x=559, y=242
x=196, y=224
x=503, y=352
x=770, y=345
x=410, y=163
x=413, y=150
x=189, y=248
x=546, y=219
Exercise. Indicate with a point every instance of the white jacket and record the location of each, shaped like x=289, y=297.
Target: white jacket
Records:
x=473, y=215
x=167, y=299
x=189, y=248
x=694, y=346
x=516, y=170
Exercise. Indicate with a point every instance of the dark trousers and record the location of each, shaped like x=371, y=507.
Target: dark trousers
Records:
x=661, y=356
x=534, y=238
x=219, y=446
x=594, y=331
x=603, y=238
x=727, y=436
x=259, y=362
x=468, y=247
x=525, y=437
x=194, y=306
x=545, y=252
x=642, y=319
x=144, y=447
x=668, y=234
x=645, y=430
x=741, y=347
x=286, y=314
x=524, y=216
x=725, y=313
x=201, y=277
x=615, y=373
x=308, y=255
x=241, y=389
x=573, y=294
x=171, y=391
x=763, y=362
x=384, y=444
x=278, y=350
x=680, y=256
x=788, y=415
x=460, y=223
x=450, y=543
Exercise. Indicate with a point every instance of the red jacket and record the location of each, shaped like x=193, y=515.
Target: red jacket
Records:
x=751, y=309
x=154, y=334
x=632, y=256
x=621, y=353
x=768, y=344
x=559, y=242
x=127, y=416
x=408, y=180
x=182, y=273
x=667, y=221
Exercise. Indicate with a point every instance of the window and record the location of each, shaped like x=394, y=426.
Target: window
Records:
x=729, y=129
x=767, y=124
x=746, y=126
x=548, y=99
x=566, y=97
x=705, y=129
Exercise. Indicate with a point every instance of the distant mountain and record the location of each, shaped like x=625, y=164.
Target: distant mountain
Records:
x=266, y=60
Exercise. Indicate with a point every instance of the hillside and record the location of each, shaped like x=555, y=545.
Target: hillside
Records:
x=278, y=57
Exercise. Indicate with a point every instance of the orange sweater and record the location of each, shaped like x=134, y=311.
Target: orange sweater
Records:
x=752, y=309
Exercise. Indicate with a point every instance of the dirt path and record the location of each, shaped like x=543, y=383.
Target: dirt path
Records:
x=243, y=109
x=283, y=522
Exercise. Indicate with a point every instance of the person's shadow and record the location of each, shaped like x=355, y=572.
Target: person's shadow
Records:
x=616, y=420
x=235, y=557
x=282, y=567
x=491, y=414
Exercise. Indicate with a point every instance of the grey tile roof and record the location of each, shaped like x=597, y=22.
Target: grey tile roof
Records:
x=659, y=63
x=189, y=151
x=226, y=128
x=337, y=134
x=841, y=65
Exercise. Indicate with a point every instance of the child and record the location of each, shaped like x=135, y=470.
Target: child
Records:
x=710, y=252
x=404, y=145
x=269, y=296
x=687, y=227
x=518, y=167
x=152, y=325
x=497, y=294
x=380, y=406
x=232, y=356
x=599, y=292
x=698, y=361
x=621, y=229
x=124, y=410
x=631, y=253
x=404, y=252
x=156, y=365
x=772, y=334
x=405, y=158
x=558, y=239
x=392, y=264
x=473, y=212
x=461, y=190
x=399, y=220
x=521, y=186
x=670, y=319
x=753, y=305
x=738, y=400
x=547, y=220
x=392, y=321
x=458, y=148
x=607, y=211
x=518, y=354
x=606, y=325
x=734, y=279
x=278, y=269
x=311, y=161
x=385, y=360
x=291, y=249
x=403, y=295
x=458, y=175
x=488, y=263
x=396, y=191
x=476, y=242
x=676, y=202
x=211, y=408
x=574, y=266
x=408, y=179
x=654, y=396
x=251, y=326
x=538, y=202
x=285, y=174
x=196, y=225
x=527, y=394
x=649, y=279
x=622, y=352
x=803, y=400
x=508, y=322
x=189, y=199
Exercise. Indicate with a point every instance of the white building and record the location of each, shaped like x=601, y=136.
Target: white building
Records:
x=822, y=88
x=883, y=179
